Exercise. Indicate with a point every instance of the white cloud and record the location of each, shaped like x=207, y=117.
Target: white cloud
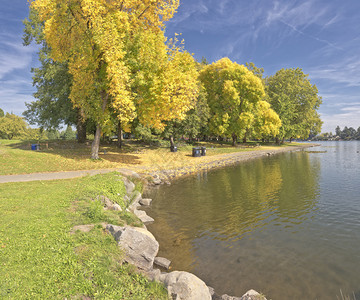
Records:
x=346, y=72
x=15, y=77
x=13, y=55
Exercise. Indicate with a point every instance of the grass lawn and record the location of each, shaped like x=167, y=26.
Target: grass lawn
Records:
x=40, y=259
x=17, y=157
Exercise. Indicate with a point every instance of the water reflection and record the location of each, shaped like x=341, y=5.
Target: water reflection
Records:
x=232, y=202
x=285, y=225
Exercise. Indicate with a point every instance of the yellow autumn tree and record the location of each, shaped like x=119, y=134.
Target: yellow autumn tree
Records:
x=267, y=122
x=233, y=92
x=93, y=37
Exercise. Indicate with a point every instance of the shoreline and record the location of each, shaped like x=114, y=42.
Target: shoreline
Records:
x=216, y=162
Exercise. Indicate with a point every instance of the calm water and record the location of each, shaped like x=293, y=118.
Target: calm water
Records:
x=287, y=225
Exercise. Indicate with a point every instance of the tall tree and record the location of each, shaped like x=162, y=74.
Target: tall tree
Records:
x=93, y=36
x=232, y=92
x=296, y=101
x=52, y=80
x=12, y=126
x=1, y=113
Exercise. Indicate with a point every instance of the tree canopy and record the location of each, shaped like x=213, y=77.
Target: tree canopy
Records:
x=12, y=126
x=233, y=93
x=96, y=38
x=296, y=101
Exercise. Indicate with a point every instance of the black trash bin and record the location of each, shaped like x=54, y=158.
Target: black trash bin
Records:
x=173, y=148
x=203, y=151
x=196, y=152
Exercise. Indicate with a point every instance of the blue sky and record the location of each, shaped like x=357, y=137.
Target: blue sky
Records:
x=321, y=37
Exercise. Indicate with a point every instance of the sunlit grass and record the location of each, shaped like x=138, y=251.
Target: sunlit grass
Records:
x=17, y=157
x=40, y=259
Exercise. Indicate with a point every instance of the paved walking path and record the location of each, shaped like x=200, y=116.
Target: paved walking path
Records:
x=51, y=176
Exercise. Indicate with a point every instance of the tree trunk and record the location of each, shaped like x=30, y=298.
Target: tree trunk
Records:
x=80, y=127
x=291, y=139
x=277, y=141
x=234, y=138
x=245, y=138
x=96, y=143
x=120, y=136
x=283, y=140
x=172, y=144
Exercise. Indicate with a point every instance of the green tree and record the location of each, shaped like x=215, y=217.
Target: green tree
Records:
x=12, y=126
x=53, y=134
x=2, y=114
x=338, y=131
x=68, y=134
x=52, y=80
x=259, y=72
x=232, y=93
x=93, y=37
x=296, y=101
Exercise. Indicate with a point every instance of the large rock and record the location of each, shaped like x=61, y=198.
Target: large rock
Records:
x=143, y=216
x=129, y=173
x=139, y=245
x=227, y=297
x=185, y=286
x=162, y=262
x=145, y=201
x=252, y=295
x=129, y=185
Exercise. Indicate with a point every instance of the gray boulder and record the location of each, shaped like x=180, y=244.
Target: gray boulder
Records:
x=162, y=262
x=116, y=207
x=157, y=181
x=185, y=286
x=145, y=201
x=153, y=274
x=252, y=295
x=129, y=185
x=143, y=216
x=139, y=245
x=105, y=201
x=129, y=173
x=227, y=297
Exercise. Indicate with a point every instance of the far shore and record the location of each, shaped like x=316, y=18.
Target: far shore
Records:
x=206, y=163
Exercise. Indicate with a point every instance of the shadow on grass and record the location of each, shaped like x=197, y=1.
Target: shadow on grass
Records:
x=128, y=154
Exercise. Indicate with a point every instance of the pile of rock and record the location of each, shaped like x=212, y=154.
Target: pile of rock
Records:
x=141, y=249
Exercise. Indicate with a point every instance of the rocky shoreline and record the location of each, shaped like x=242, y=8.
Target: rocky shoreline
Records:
x=141, y=247
x=218, y=161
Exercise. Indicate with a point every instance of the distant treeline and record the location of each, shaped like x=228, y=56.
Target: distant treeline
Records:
x=347, y=134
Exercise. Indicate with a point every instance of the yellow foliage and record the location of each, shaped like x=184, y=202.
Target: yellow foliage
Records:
x=232, y=92
x=93, y=37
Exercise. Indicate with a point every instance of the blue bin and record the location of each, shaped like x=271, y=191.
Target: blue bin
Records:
x=35, y=147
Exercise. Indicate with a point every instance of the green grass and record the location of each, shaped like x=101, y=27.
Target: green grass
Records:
x=40, y=259
x=17, y=158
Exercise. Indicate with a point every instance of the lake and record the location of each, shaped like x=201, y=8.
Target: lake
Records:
x=287, y=225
